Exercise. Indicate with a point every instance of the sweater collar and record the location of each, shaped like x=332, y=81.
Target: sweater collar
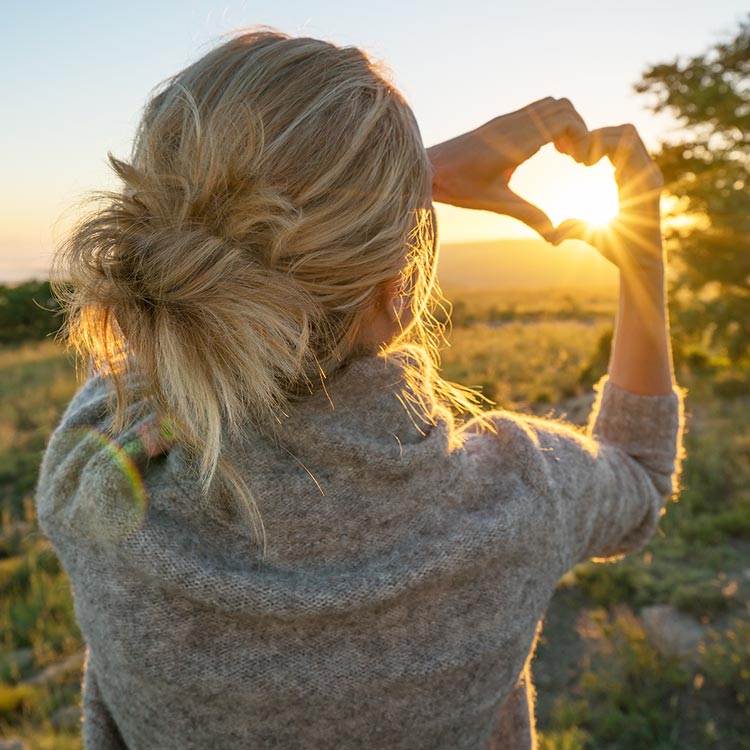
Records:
x=383, y=395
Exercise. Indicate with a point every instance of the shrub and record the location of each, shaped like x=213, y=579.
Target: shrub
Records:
x=732, y=385
x=632, y=694
x=726, y=658
x=28, y=312
x=702, y=598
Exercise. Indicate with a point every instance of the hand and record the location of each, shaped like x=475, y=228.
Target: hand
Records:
x=473, y=170
x=641, y=359
x=632, y=240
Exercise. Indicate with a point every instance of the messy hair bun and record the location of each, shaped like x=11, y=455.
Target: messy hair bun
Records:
x=273, y=187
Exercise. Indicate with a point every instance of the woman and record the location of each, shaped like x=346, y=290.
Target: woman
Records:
x=278, y=531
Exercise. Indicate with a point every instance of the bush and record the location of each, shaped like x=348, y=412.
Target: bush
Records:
x=732, y=385
x=614, y=582
x=598, y=363
x=28, y=312
x=702, y=598
x=631, y=698
x=726, y=658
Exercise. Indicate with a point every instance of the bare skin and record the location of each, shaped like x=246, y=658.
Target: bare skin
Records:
x=473, y=171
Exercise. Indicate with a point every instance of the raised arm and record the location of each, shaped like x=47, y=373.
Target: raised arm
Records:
x=604, y=490
x=641, y=360
x=473, y=171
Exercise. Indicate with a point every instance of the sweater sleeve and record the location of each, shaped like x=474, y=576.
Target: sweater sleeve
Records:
x=612, y=482
x=604, y=489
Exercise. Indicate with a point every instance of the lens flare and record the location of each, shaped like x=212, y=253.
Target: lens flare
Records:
x=125, y=496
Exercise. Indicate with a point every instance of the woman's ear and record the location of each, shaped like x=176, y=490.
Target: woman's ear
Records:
x=389, y=295
x=386, y=318
x=396, y=303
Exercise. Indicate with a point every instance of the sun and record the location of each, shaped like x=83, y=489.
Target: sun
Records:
x=588, y=193
x=565, y=189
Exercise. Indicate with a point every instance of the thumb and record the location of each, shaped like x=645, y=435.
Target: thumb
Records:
x=571, y=229
x=512, y=204
x=600, y=238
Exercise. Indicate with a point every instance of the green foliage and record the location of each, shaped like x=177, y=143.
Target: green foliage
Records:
x=28, y=312
x=36, y=382
x=611, y=583
x=726, y=657
x=15, y=698
x=706, y=169
x=702, y=597
x=529, y=351
x=16, y=665
x=632, y=700
x=571, y=738
x=696, y=356
x=731, y=385
x=522, y=366
x=569, y=712
x=598, y=362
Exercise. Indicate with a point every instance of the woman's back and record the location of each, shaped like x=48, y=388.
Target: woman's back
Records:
x=264, y=285
x=408, y=565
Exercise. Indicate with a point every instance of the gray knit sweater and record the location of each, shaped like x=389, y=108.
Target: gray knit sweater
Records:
x=405, y=580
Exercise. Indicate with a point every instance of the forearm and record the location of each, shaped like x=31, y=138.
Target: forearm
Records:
x=641, y=359
x=448, y=175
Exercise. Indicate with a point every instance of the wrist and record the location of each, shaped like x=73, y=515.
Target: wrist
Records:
x=648, y=272
x=639, y=246
x=440, y=164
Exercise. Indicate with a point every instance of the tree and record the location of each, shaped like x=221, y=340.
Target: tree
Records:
x=706, y=169
x=28, y=312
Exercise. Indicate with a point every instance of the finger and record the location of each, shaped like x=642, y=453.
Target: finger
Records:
x=578, y=229
x=513, y=205
x=621, y=144
x=618, y=143
x=544, y=122
x=600, y=238
x=638, y=177
x=576, y=146
x=591, y=147
x=559, y=119
x=564, y=144
x=550, y=108
x=570, y=229
x=526, y=130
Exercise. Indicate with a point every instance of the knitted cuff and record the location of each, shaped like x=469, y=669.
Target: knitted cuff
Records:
x=649, y=428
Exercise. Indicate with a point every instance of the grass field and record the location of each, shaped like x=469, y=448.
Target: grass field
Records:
x=606, y=675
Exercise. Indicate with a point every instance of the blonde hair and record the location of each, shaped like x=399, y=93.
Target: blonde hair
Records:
x=274, y=186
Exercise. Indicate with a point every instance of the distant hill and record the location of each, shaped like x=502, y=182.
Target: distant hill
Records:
x=530, y=264
x=502, y=263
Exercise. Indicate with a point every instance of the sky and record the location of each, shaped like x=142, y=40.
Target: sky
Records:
x=74, y=77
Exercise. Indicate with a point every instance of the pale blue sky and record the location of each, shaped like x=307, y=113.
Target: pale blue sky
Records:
x=75, y=76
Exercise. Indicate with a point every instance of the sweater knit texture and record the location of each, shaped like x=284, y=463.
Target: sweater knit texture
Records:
x=409, y=565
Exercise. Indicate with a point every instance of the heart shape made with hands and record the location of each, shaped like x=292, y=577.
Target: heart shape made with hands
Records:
x=565, y=189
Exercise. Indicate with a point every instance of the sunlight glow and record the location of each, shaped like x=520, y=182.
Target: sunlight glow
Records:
x=675, y=215
x=565, y=189
x=588, y=193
